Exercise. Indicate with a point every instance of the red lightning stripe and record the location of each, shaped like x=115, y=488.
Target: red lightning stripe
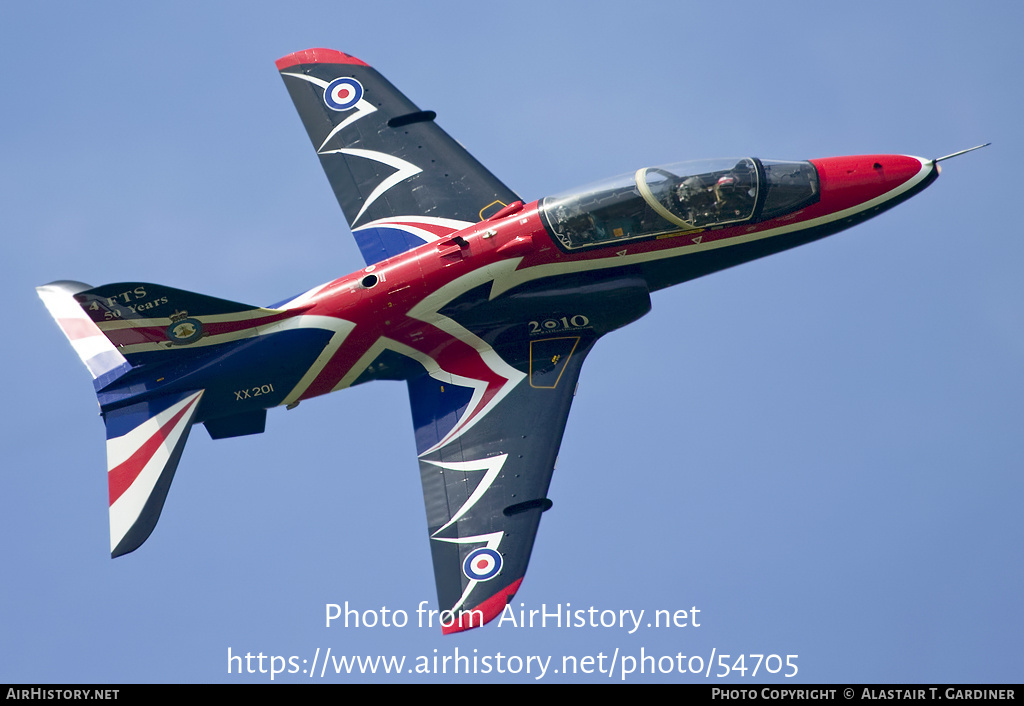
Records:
x=148, y=333
x=124, y=474
x=451, y=354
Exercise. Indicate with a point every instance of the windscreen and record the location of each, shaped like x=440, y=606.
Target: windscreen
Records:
x=654, y=201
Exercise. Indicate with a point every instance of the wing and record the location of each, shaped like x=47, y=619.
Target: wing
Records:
x=488, y=429
x=399, y=178
x=485, y=491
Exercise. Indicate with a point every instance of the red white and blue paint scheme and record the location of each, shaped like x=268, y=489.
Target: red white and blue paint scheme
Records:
x=484, y=305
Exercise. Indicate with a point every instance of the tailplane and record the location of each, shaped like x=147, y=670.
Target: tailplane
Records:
x=127, y=329
x=144, y=443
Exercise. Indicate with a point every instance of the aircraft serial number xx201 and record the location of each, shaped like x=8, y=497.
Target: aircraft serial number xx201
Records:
x=484, y=305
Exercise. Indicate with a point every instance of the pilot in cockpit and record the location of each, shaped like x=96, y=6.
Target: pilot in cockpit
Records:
x=734, y=193
x=579, y=226
x=693, y=199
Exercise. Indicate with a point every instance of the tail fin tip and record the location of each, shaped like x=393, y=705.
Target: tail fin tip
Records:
x=94, y=349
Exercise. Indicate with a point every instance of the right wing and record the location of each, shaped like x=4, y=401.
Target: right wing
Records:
x=489, y=422
x=399, y=178
x=485, y=490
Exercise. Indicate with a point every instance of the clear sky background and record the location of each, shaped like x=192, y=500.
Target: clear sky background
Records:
x=822, y=451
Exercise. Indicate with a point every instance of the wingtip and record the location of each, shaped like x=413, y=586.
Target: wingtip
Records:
x=317, y=56
x=489, y=610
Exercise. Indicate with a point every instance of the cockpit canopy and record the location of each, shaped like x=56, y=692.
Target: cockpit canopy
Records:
x=688, y=196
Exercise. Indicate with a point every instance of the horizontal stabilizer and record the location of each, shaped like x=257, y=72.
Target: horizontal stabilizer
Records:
x=144, y=443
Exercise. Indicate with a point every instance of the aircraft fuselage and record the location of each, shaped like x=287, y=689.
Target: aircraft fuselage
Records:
x=391, y=320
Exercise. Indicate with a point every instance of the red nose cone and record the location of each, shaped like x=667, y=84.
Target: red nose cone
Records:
x=850, y=181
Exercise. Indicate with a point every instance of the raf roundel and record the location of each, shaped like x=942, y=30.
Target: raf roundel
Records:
x=482, y=564
x=343, y=93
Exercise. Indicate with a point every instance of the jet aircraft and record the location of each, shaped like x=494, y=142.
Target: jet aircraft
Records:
x=484, y=305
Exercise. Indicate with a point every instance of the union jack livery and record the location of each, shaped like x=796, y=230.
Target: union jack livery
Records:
x=484, y=305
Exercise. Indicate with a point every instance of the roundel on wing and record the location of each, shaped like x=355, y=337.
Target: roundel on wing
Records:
x=343, y=93
x=482, y=564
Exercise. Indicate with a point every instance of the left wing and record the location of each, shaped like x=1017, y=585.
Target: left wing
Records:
x=399, y=178
x=488, y=429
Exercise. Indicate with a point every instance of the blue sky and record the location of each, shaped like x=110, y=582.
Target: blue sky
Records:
x=821, y=451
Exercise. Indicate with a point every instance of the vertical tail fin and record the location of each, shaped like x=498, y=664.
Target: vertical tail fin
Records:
x=103, y=360
x=145, y=439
